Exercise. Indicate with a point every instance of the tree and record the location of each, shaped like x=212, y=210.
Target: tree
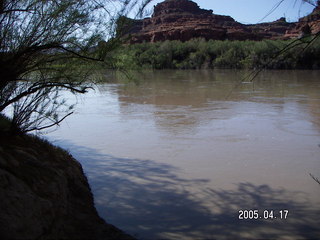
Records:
x=51, y=45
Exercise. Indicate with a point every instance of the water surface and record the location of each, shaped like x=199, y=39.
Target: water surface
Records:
x=177, y=155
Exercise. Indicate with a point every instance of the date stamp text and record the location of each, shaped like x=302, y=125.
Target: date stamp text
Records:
x=264, y=214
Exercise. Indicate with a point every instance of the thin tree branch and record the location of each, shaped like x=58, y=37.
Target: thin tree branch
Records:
x=253, y=74
x=81, y=56
x=15, y=10
x=314, y=178
x=48, y=126
x=33, y=89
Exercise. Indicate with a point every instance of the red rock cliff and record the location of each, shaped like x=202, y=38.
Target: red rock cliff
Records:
x=184, y=20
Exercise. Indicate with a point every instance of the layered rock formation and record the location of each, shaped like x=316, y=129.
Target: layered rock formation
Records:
x=45, y=194
x=184, y=20
x=307, y=24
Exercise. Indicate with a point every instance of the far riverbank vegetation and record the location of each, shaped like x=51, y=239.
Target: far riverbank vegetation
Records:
x=201, y=54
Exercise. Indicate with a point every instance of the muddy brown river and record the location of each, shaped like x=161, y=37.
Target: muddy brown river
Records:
x=202, y=154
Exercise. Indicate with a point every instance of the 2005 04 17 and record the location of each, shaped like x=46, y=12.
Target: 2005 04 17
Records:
x=265, y=214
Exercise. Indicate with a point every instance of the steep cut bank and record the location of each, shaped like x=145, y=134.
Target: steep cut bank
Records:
x=45, y=194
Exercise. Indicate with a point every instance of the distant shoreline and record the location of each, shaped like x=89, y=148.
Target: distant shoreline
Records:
x=202, y=54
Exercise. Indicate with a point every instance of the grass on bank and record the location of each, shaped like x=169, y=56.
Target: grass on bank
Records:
x=17, y=146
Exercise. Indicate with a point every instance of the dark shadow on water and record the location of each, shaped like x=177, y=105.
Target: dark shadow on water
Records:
x=150, y=201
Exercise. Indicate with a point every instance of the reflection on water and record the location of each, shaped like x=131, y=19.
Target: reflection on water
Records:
x=177, y=156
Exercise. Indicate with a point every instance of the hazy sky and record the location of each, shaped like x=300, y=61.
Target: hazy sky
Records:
x=252, y=11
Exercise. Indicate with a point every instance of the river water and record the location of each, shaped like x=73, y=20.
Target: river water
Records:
x=178, y=154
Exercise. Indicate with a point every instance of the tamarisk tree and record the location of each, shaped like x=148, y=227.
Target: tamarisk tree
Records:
x=47, y=46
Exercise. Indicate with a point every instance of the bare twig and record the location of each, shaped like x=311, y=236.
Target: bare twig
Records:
x=50, y=125
x=314, y=178
x=253, y=74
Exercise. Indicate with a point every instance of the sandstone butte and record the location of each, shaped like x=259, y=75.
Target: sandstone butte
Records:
x=183, y=20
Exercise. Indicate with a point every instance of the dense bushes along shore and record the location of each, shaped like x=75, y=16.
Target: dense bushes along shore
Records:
x=201, y=54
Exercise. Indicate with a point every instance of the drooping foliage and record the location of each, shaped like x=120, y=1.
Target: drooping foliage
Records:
x=51, y=45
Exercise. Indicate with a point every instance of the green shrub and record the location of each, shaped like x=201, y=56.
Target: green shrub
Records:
x=198, y=53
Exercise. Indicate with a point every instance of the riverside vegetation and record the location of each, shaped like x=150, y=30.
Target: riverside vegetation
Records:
x=201, y=54
x=47, y=47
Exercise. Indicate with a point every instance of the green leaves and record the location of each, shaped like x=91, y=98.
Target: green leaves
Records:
x=48, y=46
x=198, y=53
